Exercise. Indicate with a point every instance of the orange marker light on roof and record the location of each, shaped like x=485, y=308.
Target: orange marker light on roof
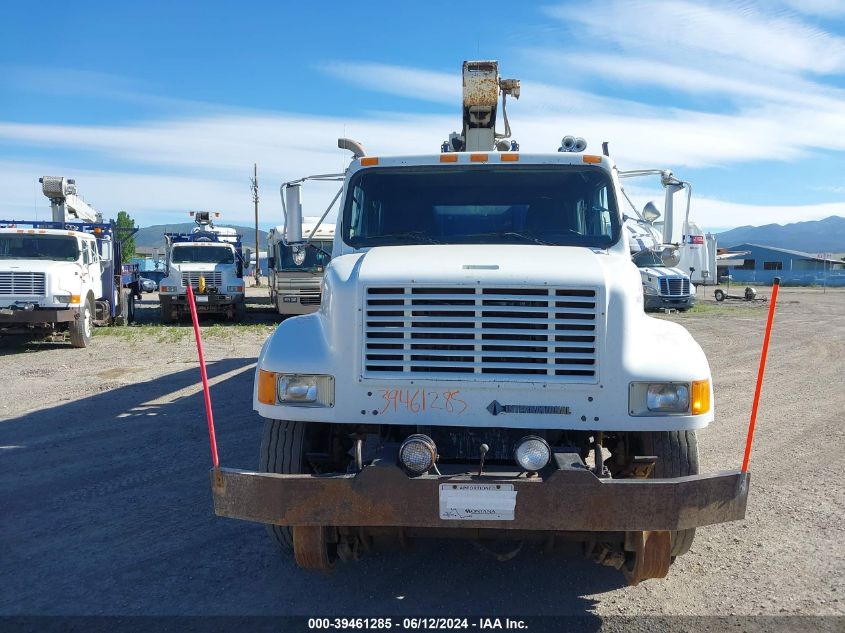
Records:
x=591, y=158
x=510, y=157
x=368, y=161
x=448, y=158
x=478, y=158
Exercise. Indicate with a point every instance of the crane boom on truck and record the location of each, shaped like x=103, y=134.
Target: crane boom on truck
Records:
x=64, y=275
x=481, y=365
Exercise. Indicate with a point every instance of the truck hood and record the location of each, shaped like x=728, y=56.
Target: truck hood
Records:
x=663, y=272
x=37, y=266
x=486, y=263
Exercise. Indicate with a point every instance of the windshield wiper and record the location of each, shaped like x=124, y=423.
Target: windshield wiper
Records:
x=522, y=236
x=419, y=236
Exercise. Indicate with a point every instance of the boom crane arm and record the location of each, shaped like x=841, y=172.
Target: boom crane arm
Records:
x=66, y=205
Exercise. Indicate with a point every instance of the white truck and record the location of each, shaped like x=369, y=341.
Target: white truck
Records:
x=665, y=284
x=296, y=271
x=64, y=275
x=210, y=260
x=481, y=366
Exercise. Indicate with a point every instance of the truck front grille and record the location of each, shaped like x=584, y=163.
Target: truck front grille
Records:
x=213, y=278
x=309, y=300
x=22, y=283
x=674, y=286
x=493, y=333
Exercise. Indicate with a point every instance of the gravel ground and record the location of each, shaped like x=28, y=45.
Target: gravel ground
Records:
x=106, y=507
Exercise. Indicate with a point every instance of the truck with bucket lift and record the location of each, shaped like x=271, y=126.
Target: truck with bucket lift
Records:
x=296, y=271
x=210, y=259
x=481, y=366
x=64, y=275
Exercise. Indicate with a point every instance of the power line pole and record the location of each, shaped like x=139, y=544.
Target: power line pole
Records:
x=254, y=181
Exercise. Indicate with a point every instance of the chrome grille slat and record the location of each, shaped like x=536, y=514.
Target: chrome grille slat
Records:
x=213, y=278
x=22, y=283
x=674, y=286
x=547, y=334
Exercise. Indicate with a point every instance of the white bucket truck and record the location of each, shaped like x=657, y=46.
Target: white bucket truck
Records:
x=64, y=275
x=296, y=271
x=481, y=366
x=210, y=260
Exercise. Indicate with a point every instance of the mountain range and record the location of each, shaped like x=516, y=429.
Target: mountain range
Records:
x=814, y=236
x=153, y=236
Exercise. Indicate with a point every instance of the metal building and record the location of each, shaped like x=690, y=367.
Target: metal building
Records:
x=761, y=264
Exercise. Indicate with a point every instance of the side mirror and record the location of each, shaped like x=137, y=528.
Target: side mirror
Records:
x=293, y=215
x=672, y=222
x=670, y=256
x=650, y=212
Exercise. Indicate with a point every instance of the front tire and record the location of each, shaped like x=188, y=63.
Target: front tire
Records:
x=677, y=456
x=283, y=449
x=80, y=329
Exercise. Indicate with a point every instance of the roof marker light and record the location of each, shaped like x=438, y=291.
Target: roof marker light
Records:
x=590, y=158
x=510, y=157
x=448, y=158
x=367, y=161
x=478, y=158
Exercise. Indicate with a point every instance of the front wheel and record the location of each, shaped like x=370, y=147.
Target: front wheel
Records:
x=677, y=456
x=719, y=294
x=283, y=449
x=82, y=326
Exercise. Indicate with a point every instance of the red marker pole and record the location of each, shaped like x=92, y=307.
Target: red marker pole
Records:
x=208, y=414
x=760, y=373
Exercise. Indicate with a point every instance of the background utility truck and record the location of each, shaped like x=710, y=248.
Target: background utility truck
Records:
x=64, y=275
x=296, y=272
x=665, y=284
x=451, y=386
x=209, y=259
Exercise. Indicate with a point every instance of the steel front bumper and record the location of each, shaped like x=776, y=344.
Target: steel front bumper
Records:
x=653, y=302
x=566, y=497
x=212, y=301
x=10, y=317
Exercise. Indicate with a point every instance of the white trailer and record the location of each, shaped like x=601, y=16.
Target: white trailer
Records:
x=481, y=365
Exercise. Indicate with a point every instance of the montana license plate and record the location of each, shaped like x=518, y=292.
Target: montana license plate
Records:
x=477, y=502
x=202, y=299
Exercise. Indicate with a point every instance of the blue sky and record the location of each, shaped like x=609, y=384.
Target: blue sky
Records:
x=162, y=107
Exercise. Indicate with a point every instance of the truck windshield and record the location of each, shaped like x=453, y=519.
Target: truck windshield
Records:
x=62, y=248
x=648, y=259
x=203, y=255
x=560, y=205
x=311, y=259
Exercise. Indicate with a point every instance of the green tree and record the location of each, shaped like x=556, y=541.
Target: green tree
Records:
x=125, y=225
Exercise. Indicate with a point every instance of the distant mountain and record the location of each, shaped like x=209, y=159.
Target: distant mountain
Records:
x=816, y=236
x=153, y=236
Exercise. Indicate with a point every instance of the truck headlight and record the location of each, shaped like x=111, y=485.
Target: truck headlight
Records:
x=295, y=389
x=66, y=299
x=234, y=288
x=650, y=291
x=671, y=397
x=418, y=454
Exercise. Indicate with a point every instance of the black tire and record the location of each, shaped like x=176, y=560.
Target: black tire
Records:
x=80, y=329
x=719, y=294
x=677, y=456
x=166, y=310
x=283, y=450
x=131, y=315
x=240, y=312
x=122, y=317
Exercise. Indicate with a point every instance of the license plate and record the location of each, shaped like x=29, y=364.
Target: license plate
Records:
x=202, y=299
x=477, y=502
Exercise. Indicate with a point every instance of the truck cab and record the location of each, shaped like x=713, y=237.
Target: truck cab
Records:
x=296, y=272
x=209, y=260
x=664, y=287
x=61, y=277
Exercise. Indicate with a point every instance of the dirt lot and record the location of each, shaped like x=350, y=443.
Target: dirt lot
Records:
x=106, y=507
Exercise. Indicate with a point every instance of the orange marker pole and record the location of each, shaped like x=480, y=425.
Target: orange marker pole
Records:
x=760, y=373
x=208, y=414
